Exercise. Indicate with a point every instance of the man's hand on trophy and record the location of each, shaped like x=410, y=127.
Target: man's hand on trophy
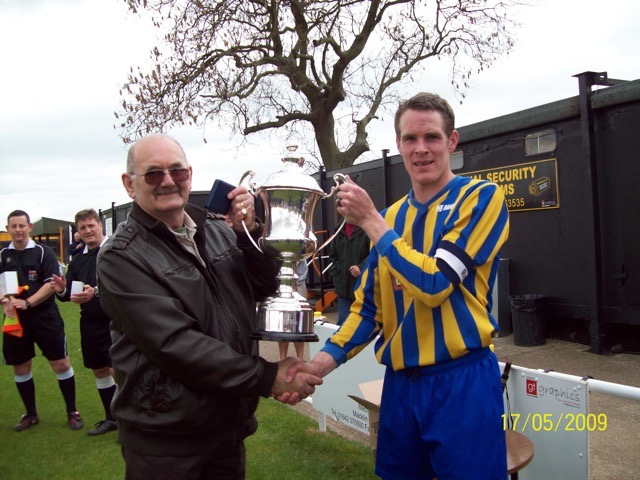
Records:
x=292, y=389
x=242, y=209
x=354, y=203
x=356, y=206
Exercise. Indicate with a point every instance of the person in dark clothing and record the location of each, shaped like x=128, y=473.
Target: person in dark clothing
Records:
x=76, y=247
x=94, y=322
x=42, y=324
x=348, y=253
x=180, y=287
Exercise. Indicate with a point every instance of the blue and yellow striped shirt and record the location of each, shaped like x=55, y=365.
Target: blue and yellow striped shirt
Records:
x=426, y=287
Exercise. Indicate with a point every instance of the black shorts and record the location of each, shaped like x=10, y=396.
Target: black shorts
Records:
x=46, y=329
x=95, y=341
x=224, y=462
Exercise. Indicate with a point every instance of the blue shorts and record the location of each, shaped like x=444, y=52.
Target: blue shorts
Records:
x=443, y=421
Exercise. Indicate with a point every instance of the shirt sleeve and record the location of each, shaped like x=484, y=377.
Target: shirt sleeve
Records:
x=364, y=323
x=50, y=265
x=471, y=236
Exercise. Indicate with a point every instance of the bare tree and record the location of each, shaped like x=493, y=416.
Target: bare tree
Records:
x=324, y=65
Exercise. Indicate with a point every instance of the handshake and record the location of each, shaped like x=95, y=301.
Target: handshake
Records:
x=296, y=380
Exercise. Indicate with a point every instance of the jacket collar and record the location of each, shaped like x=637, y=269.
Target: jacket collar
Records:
x=152, y=223
x=197, y=214
x=30, y=244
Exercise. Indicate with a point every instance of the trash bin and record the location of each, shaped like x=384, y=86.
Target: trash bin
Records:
x=528, y=319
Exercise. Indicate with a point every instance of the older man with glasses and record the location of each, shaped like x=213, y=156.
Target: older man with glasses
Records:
x=180, y=286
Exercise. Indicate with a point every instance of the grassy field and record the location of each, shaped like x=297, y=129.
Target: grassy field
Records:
x=288, y=445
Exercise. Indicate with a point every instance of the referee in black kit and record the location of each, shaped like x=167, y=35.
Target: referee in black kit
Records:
x=42, y=324
x=94, y=322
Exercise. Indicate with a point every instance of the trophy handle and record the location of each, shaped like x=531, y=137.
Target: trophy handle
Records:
x=338, y=178
x=251, y=186
x=252, y=191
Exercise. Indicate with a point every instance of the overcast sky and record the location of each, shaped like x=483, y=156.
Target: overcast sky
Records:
x=64, y=60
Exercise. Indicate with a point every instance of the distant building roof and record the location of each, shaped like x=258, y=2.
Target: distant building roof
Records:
x=49, y=226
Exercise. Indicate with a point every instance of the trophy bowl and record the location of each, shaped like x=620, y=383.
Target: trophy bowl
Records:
x=289, y=198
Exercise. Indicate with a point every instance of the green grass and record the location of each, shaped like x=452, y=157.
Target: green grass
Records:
x=288, y=445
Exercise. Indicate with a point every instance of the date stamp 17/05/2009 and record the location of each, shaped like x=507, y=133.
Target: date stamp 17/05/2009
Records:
x=549, y=422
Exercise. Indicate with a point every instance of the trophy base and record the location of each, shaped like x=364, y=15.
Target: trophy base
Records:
x=282, y=319
x=284, y=337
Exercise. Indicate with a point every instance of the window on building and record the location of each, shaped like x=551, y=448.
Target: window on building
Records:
x=457, y=160
x=540, y=142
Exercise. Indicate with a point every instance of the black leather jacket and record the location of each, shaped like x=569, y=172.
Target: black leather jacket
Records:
x=187, y=372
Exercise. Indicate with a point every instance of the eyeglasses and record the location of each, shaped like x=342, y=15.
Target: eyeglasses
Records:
x=155, y=177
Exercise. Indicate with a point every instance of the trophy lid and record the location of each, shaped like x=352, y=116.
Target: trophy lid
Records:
x=291, y=175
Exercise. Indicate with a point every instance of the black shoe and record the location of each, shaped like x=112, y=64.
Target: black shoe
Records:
x=26, y=421
x=75, y=421
x=103, y=427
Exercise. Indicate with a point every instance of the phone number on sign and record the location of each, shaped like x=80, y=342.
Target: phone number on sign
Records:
x=550, y=422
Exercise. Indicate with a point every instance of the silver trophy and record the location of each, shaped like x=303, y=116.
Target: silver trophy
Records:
x=289, y=197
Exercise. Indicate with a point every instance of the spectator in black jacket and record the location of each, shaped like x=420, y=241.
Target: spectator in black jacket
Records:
x=181, y=287
x=94, y=323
